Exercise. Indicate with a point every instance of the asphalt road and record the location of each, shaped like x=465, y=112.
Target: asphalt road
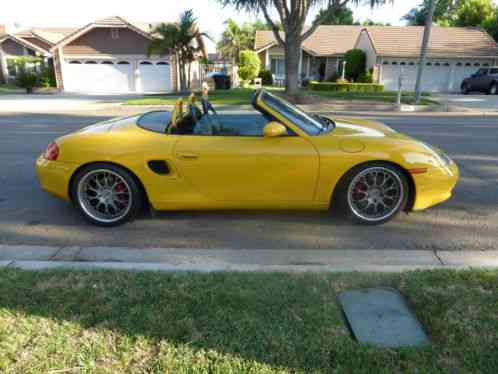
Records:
x=469, y=221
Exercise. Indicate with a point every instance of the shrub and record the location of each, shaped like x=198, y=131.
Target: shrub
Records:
x=47, y=76
x=249, y=65
x=347, y=87
x=355, y=63
x=266, y=77
x=27, y=80
x=366, y=78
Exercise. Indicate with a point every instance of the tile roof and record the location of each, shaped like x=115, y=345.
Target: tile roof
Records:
x=327, y=40
x=398, y=41
x=395, y=41
x=51, y=34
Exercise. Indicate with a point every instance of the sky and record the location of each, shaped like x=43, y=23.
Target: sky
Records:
x=70, y=13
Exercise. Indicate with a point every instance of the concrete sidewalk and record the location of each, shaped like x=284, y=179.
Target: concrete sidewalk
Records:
x=207, y=260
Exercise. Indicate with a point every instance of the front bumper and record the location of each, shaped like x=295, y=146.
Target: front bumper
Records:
x=54, y=176
x=435, y=186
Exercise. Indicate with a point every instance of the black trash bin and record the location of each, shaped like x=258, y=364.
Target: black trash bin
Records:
x=221, y=81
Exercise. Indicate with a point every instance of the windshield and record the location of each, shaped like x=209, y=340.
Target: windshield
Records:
x=304, y=121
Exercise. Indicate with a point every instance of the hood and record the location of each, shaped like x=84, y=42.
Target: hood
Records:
x=364, y=128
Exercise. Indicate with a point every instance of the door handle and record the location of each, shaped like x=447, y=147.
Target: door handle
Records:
x=188, y=155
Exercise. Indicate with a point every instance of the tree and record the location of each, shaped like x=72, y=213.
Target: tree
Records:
x=179, y=38
x=370, y=22
x=473, y=12
x=491, y=25
x=237, y=38
x=335, y=16
x=28, y=72
x=249, y=65
x=355, y=63
x=292, y=15
x=423, y=51
x=443, y=13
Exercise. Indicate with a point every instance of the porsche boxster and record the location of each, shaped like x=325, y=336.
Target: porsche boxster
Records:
x=193, y=158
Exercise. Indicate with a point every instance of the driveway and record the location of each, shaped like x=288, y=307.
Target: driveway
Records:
x=469, y=221
x=62, y=102
x=469, y=103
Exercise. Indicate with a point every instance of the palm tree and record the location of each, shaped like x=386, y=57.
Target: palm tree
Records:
x=183, y=39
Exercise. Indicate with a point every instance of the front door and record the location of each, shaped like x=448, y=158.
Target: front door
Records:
x=249, y=168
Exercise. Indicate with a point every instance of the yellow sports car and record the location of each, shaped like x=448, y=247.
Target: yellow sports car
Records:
x=193, y=159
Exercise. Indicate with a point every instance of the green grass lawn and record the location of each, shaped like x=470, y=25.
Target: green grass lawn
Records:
x=385, y=97
x=6, y=89
x=126, y=322
x=236, y=96
x=242, y=96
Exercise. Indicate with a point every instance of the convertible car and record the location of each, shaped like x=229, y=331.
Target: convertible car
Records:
x=192, y=158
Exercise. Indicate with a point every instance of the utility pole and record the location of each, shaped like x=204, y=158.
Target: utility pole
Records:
x=423, y=52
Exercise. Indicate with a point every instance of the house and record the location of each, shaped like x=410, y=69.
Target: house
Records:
x=454, y=53
x=13, y=46
x=105, y=56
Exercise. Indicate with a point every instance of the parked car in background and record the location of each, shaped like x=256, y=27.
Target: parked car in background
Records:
x=485, y=80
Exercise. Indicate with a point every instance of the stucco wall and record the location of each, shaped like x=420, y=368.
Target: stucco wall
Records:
x=11, y=48
x=99, y=41
x=366, y=46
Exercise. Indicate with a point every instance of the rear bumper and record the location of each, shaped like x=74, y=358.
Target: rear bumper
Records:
x=54, y=177
x=435, y=186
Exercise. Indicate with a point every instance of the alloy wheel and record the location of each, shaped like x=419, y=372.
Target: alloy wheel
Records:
x=375, y=194
x=104, y=195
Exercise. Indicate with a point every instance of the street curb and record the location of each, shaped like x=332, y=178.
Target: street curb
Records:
x=221, y=260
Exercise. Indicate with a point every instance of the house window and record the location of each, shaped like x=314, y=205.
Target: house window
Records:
x=114, y=33
x=278, y=66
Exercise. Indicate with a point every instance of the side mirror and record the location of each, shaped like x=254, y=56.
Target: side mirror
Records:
x=274, y=129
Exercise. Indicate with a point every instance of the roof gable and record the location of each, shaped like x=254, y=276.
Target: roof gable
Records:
x=445, y=41
x=24, y=43
x=395, y=41
x=327, y=40
x=110, y=22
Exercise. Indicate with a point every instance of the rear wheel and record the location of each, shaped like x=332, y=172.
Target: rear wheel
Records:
x=465, y=88
x=107, y=195
x=373, y=193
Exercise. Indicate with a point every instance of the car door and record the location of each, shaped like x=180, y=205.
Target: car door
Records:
x=481, y=81
x=244, y=166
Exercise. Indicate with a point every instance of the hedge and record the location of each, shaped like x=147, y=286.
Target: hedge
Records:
x=346, y=87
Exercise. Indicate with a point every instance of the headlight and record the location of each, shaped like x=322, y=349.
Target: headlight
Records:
x=442, y=157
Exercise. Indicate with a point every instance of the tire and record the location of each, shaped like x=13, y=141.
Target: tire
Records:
x=465, y=89
x=493, y=89
x=107, y=195
x=354, y=194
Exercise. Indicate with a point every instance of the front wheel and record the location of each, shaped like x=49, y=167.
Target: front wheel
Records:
x=106, y=195
x=373, y=193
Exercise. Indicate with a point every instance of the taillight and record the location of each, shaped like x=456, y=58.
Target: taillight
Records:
x=52, y=152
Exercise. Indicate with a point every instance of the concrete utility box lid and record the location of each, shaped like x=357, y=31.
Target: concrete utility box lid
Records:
x=380, y=317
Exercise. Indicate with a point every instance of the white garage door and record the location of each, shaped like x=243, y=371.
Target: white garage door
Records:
x=435, y=79
x=154, y=77
x=390, y=76
x=104, y=77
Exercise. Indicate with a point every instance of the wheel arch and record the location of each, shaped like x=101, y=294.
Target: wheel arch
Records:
x=411, y=183
x=134, y=176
